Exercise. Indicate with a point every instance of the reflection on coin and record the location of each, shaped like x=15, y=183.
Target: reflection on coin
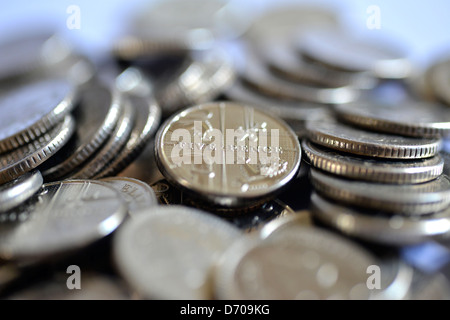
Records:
x=376, y=170
x=396, y=279
x=96, y=117
x=416, y=119
x=137, y=194
x=408, y=200
x=298, y=263
x=37, y=152
x=168, y=253
x=211, y=168
x=32, y=109
x=62, y=217
x=345, y=138
x=302, y=218
x=19, y=190
x=379, y=227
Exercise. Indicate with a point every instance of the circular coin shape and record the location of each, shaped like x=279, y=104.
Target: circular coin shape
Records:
x=349, y=139
x=392, y=230
x=168, y=253
x=224, y=154
x=376, y=170
x=299, y=263
x=62, y=217
x=32, y=155
x=30, y=110
x=19, y=190
x=407, y=200
x=416, y=119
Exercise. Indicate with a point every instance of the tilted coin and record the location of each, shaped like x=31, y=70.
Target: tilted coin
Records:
x=342, y=137
x=169, y=252
x=340, y=50
x=224, y=156
x=297, y=264
x=411, y=118
x=376, y=170
x=112, y=146
x=32, y=109
x=30, y=156
x=138, y=195
x=64, y=216
x=408, y=200
x=19, y=190
x=302, y=218
x=379, y=227
x=96, y=116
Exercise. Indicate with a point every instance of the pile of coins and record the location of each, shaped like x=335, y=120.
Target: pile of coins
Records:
x=207, y=158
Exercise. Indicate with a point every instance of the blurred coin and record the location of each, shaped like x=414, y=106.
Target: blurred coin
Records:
x=407, y=200
x=396, y=279
x=370, y=169
x=412, y=118
x=205, y=163
x=342, y=51
x=169, y=252
x=137, y=194
x=379, y=227
x=293, y=219
x=432, y=287
x=344, y=138
x=62, y=217
x=30, y=156
x=300, y=263
x=32, y=109
x=439, y=80
x=96, y=115
x=19, y=190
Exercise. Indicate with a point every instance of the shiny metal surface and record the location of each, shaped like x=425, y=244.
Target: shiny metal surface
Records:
x=19, y=190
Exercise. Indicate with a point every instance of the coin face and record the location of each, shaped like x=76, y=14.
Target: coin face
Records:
x=349, y=139
x=63, y=216
x=376, y=170
x=19, y=190
x=220, y=151
x=168, y=253
x=417, y=119
x=38, y=106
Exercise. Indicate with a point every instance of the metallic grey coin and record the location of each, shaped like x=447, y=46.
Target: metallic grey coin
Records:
x=96, y=116
x=299, y=263
x=341, y=137
x=148, y=116
x=407, y=200
x=430, y=287
x=19, y=190
x=205, y=164
x=439, y=80
x=169, y=252
x=416, y=119
x=112, y=146
x=376, y=170
x=340, y=50
x=296, y=114
x=302, y=218
x=396, y=278
x=257, y=76
x=392, y=230
x=32, y=155
x=38, y=106
x=63, y=217
x=138, y=195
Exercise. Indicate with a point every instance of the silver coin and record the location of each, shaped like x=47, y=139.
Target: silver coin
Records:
x=38, y=106
x=96, y=116
x=438, y=80
x=112, y=146
x=392, y=230
x=19, y=190
x=408, y=200
x=138, y=195
x=37, y=152
x=396, y=278
x=376, y=170
x=169, y=252
x=64, y=216
x=341, y=137
x=225, y=177
x=340, y=50
x=299, y=263
x=416, y=119
x=302, y=218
